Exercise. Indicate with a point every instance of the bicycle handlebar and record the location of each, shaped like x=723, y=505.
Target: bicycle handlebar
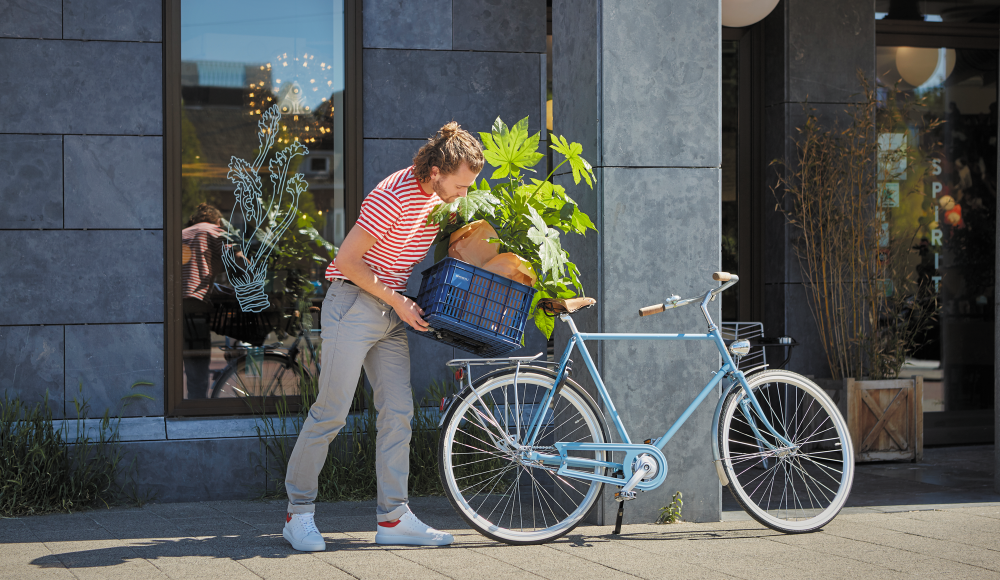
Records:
x=677, y=302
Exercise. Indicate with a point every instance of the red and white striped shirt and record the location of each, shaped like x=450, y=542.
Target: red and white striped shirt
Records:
x=201, y=258
x=395, y=213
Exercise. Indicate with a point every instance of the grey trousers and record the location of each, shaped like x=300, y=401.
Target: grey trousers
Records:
x=358, y=329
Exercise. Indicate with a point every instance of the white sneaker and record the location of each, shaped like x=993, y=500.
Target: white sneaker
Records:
x=410, y=531
x=300, y=531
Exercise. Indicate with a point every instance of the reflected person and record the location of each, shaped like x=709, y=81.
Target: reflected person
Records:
x=201, y=261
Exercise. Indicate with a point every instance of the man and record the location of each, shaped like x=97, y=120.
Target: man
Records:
x=362, y=320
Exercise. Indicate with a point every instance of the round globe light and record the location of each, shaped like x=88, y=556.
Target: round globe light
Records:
x=737, y=13
x=925, y=66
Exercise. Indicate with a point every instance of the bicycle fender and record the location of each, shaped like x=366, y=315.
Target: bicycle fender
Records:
x=716, y=455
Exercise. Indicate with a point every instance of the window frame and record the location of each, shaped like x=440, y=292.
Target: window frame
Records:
x=173, y=316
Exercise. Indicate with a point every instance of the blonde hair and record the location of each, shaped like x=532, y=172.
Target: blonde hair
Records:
x=447, y=150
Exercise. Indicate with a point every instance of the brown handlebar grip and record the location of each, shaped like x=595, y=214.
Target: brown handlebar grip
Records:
x=721, y=276
x=656, y=308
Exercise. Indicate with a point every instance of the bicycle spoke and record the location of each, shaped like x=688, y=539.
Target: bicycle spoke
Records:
x=789, y=488
x=489, y=479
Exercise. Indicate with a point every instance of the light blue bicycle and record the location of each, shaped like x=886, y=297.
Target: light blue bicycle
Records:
x=524, y=450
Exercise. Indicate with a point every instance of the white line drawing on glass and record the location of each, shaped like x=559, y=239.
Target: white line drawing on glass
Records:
x=262, y=229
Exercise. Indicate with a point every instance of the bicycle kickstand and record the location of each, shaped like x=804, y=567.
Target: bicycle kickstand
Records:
x=618, y=520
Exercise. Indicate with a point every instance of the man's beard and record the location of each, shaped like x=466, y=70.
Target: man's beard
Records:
x=437, y=187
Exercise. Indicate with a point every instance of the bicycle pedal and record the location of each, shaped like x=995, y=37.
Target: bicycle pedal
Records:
x=621, y=496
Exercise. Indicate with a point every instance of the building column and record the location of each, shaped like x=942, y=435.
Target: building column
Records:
x=639, y=85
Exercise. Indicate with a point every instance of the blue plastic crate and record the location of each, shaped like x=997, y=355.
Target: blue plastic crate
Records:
x=473, y=309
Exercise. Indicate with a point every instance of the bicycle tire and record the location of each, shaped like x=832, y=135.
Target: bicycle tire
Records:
x=275, y=375
x=821, y=459
x=577, y=496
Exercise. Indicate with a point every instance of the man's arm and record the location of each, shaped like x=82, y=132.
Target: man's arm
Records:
x=350, y=262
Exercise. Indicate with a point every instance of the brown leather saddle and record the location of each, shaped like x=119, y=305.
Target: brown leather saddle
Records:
x=553, y=307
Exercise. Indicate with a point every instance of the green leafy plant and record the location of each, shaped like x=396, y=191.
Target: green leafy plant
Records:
x=672, y=513
x=529, y=215
x=43, y=469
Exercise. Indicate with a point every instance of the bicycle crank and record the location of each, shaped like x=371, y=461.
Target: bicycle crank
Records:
x=644, y=468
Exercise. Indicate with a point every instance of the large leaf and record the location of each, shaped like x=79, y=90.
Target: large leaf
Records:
x=543, y=321
x=550, y=251
x=480, y=201
x=572, y=151
x=510, y=150
x=580, y=222
x=465, y=208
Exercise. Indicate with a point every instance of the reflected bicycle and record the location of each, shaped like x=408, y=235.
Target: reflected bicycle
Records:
x=265, y=371
x=525, y=450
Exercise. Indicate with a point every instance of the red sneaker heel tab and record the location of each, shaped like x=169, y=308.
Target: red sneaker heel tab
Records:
x=288, y=517
x=389, y=524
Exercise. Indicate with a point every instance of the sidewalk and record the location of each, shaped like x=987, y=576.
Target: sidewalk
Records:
x=242, y=539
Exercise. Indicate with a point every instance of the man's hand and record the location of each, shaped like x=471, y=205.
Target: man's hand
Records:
x=410, y=313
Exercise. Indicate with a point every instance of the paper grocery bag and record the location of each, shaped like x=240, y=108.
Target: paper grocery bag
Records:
x=513, y=267
x=469, y=244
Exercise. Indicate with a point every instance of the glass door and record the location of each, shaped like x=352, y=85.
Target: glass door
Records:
x=954, y=212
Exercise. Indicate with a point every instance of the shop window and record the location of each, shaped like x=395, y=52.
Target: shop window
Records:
x=263, y=168
x=953, y=212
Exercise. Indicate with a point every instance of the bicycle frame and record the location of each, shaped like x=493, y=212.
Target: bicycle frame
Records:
x=632, y=450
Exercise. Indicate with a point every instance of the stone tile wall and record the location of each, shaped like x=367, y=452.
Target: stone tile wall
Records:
x=81, y=204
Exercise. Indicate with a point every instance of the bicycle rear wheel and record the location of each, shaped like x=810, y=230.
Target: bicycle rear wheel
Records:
x=271, y=375
x=498, y=492
x=789, y=489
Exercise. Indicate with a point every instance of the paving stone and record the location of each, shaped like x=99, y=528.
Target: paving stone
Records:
x=211, y=540
x=549, y=562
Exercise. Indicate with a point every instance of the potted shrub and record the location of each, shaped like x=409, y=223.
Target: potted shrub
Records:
x=870, y=308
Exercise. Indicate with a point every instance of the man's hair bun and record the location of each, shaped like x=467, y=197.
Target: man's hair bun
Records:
x=447, y=150
x=450, y=130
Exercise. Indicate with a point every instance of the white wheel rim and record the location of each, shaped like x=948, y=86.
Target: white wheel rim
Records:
x=569, y=395
x=840, y=427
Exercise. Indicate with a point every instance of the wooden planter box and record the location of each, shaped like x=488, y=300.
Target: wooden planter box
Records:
x=885, y=418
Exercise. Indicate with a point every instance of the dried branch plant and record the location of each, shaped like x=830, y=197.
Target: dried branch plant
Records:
x=856, y=263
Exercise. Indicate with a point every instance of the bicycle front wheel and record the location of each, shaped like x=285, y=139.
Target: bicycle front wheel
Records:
x=792, y=489
x=488, y=479
x=271, y=375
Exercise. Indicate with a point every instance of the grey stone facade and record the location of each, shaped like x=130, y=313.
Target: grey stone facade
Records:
x=82, y=197
x=799, y=66
x=81, y=202
x=639, y=86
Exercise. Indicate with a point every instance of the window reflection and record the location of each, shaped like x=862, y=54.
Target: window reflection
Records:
x=254, y=253
x=955, y=210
